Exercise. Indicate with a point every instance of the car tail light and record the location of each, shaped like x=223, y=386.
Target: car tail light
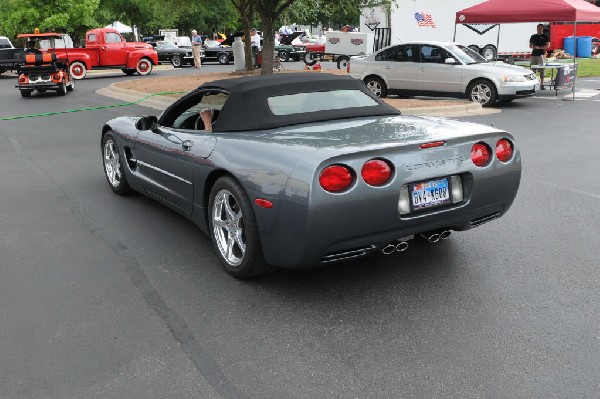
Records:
x=263, y=203
x=504, y=150
x=348, y=67
x=336, y=178
x=376, y=172
x=480, y=154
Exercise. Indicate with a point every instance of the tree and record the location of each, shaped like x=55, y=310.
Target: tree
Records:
x=269, y=11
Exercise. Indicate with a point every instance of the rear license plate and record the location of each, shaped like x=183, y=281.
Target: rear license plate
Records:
x=430, y=194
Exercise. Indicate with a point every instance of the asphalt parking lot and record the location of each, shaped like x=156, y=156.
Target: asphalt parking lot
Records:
x=110, y=297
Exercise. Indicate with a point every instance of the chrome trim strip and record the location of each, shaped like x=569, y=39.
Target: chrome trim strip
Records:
x=164, y=172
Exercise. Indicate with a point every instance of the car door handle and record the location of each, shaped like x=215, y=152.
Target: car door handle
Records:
x=187, y=145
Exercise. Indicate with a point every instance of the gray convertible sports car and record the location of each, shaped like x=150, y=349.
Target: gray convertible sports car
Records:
x=305, y=169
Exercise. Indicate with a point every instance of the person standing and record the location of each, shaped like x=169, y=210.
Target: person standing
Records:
x=538, y=44
x=255, y=43
x=196, y=48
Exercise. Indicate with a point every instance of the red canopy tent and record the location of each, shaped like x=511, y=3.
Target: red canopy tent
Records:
x=506, y=11
x=514, y=11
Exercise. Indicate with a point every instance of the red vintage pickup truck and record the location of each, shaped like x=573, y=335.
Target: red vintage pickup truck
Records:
x=105, y=48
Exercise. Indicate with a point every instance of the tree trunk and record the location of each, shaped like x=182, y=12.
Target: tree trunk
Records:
x=249, y=60
x=268, y=50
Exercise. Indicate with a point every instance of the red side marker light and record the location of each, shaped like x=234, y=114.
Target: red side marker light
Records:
x=263, y=203
x=504, y=150
x=335, y=178
x=432, y=144
x=480, y=154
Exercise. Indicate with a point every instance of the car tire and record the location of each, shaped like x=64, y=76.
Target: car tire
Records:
x=223, y=58
x=310, y=59
x=62, y=89
x=71, y=85
x=113, y=167
x=342, y=62
x=482, y=91
x=377, y=86
x=283, y=56
x=143, y=67
x=26, y=93
x=234, y=231
x=489, y=52
x=176, y=61
x=78, y=70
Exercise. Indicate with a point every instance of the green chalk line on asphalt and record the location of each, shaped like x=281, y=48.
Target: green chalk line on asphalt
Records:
x=10, y=118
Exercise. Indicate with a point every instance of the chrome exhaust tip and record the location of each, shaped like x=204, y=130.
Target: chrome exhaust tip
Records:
x=431, y=237
x=445, y=234
x=401, y=246
x=389, y=249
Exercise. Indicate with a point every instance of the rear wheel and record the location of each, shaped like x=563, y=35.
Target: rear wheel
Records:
x=26, y=93
x=310, y=59
x=376, y=85
x=113, y=167
x=482, y=91
x=78, y=70
x=144, y=66
x=176, y=61
x=71, y=85
x=489, y=52
x=223, y=58
x=234, y=231
x=342, y=62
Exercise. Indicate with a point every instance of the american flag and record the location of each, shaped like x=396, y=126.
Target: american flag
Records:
x=424, y=19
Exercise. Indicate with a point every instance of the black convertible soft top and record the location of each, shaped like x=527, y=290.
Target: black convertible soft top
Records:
x=247, y=108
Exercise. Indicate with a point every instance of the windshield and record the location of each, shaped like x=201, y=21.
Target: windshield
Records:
x=466, y=55
x=167, y=45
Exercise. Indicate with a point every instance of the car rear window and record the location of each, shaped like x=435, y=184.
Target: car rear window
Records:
x=4, y=43
x=319, y=101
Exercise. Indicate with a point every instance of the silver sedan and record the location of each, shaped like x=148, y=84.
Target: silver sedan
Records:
x=442, y=69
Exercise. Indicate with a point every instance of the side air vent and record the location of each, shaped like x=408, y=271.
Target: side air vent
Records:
x=484, y=219
x=347, y=254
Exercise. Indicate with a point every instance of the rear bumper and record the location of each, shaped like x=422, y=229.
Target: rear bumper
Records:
x=39, y=86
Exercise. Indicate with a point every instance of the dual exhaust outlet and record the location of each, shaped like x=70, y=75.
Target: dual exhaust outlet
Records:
x=401, y=246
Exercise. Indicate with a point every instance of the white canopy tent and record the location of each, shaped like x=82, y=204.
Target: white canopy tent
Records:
x=120, y=27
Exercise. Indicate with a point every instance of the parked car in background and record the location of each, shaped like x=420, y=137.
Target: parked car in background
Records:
x=285, y=50
x=222, y=53
x=304, y=169
x=595, y=46
x=442, y=69
x=169, y=52
x=10, y=57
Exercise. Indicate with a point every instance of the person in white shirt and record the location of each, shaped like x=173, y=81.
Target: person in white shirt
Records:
x=255, y=43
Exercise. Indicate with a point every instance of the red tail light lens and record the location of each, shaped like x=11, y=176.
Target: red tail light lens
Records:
x=504, y=150
x=348, y=67
x=336, y=178
x=376, y=172
x=480, y=154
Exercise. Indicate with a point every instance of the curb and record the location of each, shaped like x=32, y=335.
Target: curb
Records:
x=162, y=102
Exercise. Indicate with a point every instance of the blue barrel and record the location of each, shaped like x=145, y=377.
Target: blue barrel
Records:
x=584, y=46
x=569, y=45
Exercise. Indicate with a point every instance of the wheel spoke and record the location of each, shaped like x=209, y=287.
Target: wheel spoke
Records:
x=231, y=215
x=229, y=248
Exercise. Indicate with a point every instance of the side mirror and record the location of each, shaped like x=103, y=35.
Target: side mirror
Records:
x=147, y=123
x=450, y=61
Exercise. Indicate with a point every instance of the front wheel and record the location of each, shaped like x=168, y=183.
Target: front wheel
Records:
x=113, y=167
x=234, y=231
x=283, y=56
x=223, y=59
x=376, y=85
x=62, y=89
x=482, y=91
x=310, y=59
x=176, y=61
x=78, y=70
x=143, y=67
